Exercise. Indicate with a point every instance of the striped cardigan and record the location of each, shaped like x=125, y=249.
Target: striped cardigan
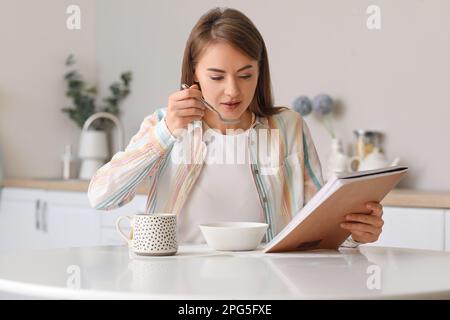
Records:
x=283, y=191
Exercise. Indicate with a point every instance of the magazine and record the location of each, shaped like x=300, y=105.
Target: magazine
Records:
x=317, y=224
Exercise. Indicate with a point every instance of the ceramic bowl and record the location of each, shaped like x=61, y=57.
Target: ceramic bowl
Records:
x=233, y=236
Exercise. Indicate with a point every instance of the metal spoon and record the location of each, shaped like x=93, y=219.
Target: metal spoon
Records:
x=210, y=107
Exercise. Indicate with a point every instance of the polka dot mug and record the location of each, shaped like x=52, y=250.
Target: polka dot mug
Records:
x=151, y=234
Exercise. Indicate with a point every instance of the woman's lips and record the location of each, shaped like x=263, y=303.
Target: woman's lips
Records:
x=231, y=106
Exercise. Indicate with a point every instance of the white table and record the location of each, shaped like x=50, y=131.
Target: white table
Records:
x=197, y=272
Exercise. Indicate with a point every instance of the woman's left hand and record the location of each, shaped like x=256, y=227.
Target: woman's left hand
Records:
x=365, y=227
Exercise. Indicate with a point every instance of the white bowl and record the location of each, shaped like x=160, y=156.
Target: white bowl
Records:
x=233, y=236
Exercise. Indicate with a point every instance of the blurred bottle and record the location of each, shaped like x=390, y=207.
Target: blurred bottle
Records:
x=68, y=160
x=336, y=159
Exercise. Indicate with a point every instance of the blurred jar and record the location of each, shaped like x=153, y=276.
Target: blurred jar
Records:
x=366, y=142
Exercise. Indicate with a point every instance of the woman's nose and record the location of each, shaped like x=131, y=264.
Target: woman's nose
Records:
x=232, y=88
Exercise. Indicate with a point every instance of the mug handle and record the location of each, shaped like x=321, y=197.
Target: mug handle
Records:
x=126, y=238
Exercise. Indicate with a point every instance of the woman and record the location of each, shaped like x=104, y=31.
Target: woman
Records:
x=226, y=63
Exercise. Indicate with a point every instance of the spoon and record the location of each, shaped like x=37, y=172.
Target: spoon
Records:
x=210, y=107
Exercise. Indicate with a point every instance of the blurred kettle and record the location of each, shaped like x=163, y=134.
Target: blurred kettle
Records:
x=373, y=160
x=93, y=148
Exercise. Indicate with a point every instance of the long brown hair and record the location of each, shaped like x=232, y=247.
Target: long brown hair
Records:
x=233, y=27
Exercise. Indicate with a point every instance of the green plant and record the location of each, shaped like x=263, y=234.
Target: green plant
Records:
x=84, y=97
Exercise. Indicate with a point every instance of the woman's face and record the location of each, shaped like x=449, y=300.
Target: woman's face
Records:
x=226, y=75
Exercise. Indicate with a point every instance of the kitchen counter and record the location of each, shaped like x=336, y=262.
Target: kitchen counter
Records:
x=197, y=272
x=397, y=197
x=59, y=185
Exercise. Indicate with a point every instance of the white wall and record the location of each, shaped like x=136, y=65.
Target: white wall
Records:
x=34, y=43
x=396, y=79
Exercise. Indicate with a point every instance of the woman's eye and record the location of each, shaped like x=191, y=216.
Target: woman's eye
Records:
x=220, y=78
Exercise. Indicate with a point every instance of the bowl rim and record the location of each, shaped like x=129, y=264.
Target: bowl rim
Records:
x=233, y=225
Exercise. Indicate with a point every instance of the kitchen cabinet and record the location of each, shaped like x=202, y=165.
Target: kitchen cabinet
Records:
x=33, y=219
x=69, y=224
x=21, y=220
x=447, y=229
x=419, y=228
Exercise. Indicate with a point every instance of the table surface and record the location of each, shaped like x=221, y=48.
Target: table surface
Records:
x=197, y=272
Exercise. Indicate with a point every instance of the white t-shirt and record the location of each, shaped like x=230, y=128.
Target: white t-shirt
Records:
x=225, y=189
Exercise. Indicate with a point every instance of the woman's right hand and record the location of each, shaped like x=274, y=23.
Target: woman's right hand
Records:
x=183, y=107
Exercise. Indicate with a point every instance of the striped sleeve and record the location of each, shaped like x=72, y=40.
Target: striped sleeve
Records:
x=114, y=184
x=313, y=180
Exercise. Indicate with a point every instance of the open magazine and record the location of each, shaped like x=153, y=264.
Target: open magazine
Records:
x=317, y=224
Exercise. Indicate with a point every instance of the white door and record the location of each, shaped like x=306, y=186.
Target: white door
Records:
x=71, y=226
x=21, y=220
x=70, y=221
